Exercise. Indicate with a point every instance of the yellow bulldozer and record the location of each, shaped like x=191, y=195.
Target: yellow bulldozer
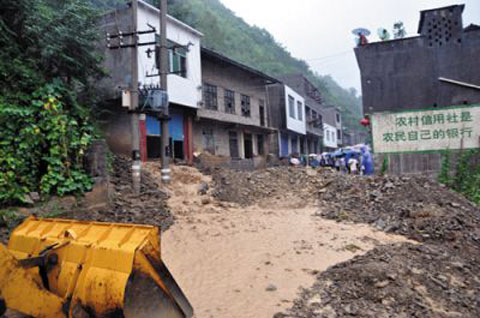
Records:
x=56, y=268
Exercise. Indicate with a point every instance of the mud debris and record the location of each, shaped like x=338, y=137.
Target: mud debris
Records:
x=149, y=207
x=249, y=187
x=436, y=278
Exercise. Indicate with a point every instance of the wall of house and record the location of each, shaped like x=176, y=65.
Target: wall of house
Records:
x=330, y=137
x=403, y=74
x=221, y=138
x=225, y=76
x=294, y=124
x=182, y=91
x=298, y=83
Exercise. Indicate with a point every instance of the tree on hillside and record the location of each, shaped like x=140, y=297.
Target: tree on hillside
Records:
x=47, y=65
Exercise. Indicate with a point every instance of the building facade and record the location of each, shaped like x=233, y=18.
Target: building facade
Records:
x=184, y=80
x=287, y=116
x=233, y=118
x=313, y=141
x=437, y=68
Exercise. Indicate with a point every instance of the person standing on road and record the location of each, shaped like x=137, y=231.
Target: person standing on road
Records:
x=353, y=165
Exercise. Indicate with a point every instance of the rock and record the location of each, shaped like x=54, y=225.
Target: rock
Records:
x=203, y=188
x=205, y=201
x=34, y=196
x=271, y=288
x=27, y=200
x=382, y=284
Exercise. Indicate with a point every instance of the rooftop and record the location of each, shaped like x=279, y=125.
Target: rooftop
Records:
x=215, y=55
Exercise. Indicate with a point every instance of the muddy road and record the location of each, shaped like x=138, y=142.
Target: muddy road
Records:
x=250, y=262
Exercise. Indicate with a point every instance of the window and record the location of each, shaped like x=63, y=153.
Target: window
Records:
x=300, y=111
x=260, y=148
x=291, y=106
x=308, y=113
x=233, y=143
x=319, y=123
x=210, y=96
x=339, y=134
x=261, y=109
x=245, y=106
x=328, y=135
x=177, y=59
x=208, y=141
x=229, y=101
x=338, y=118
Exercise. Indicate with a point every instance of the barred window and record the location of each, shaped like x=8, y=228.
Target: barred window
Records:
x=245, y=106
x=210, y=96
x=229, y=101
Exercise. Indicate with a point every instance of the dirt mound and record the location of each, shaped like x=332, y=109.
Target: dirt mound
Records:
x=417, y=207
x=149, y=207
x=395, y=281
x=250, y=187
x=438, y=278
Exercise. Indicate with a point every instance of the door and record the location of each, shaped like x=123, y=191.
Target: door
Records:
x=233, y=144
x=248, y=146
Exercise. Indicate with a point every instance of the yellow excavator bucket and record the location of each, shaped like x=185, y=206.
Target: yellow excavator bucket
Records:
x=99, y=269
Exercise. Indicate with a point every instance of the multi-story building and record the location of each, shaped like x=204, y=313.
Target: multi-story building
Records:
x=313, y=141
x=332, y=127
x=184, y=81
x=233, y=118
x=437, y=68
x=287, y=116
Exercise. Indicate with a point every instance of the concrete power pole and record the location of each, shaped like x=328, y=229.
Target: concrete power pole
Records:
x=164, y=70
x=134, y=117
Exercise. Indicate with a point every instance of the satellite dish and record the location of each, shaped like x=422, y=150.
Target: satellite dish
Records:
x=361, y=31
x=383, y=34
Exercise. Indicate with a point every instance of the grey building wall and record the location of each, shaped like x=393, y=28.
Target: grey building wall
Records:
x=312, y=97
x=225, y=76
x=116, y=62
x=403, y=74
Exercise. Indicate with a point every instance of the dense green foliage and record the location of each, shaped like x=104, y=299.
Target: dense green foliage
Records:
x=46, y=62
x=466, y=176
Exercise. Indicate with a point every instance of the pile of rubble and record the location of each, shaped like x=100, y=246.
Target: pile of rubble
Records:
x=439, y=277
x=416, y=207
x=149, y=207
x=395, y=281
x=250, y=187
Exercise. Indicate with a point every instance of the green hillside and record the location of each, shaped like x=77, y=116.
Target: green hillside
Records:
x=232, y=36
x=256, y=47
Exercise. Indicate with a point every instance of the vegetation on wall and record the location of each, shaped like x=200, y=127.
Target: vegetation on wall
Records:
x=465, y=177
x=46, y=64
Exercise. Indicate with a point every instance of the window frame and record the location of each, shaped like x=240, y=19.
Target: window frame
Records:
x=246, y=108
x=299, y=110
x=291, y=107
x=210, y=96
x=229, y=98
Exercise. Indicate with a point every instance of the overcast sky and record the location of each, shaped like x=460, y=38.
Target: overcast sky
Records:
x=319, y=31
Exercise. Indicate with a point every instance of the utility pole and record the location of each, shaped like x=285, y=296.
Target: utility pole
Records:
x=134, y=116
x=164, y=70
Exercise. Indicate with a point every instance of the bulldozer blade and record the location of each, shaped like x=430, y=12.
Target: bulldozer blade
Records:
x=102, y=269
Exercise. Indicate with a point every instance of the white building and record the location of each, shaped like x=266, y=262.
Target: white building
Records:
x=287, y=115
x=184, y=81
x=330, y=138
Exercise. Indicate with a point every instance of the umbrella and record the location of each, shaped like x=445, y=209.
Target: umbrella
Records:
x=361, y=31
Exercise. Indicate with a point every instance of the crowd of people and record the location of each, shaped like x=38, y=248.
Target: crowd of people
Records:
x=352, y=160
